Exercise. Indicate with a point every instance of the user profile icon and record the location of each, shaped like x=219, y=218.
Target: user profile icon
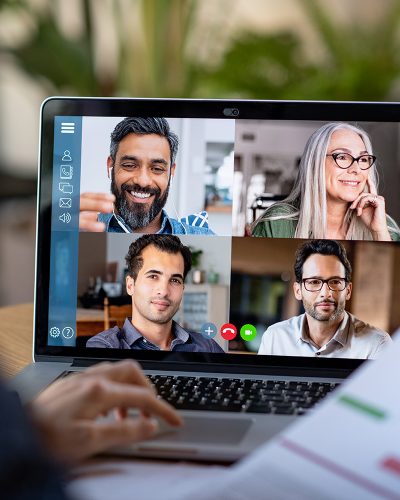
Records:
x=228, y=331
x=66, y=155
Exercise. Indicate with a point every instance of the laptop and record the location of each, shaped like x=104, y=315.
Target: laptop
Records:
x=234, y=159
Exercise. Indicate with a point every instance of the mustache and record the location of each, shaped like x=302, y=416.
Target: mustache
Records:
x=325, y=301
x=163, y=299
x=139, y=189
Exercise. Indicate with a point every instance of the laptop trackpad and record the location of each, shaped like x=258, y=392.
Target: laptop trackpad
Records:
x=205, y=429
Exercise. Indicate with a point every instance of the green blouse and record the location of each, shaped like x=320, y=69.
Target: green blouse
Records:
x=286, y=228
x=278, y=228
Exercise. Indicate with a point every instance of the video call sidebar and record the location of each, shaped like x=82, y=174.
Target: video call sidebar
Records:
x=64, y=230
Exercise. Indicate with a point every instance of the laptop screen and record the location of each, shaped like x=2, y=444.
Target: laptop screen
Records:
x=233, y=232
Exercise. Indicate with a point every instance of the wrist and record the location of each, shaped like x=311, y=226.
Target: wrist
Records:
x=381, y=235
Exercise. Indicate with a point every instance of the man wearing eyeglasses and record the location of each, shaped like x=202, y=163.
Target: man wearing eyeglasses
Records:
x=326, y=329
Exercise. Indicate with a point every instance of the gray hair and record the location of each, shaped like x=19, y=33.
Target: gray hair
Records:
x=143, y=126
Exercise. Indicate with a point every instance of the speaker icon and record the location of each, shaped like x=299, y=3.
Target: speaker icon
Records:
x=65, y=217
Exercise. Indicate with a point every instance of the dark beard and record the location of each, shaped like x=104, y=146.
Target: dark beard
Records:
x=136, y=215
x=337, y=313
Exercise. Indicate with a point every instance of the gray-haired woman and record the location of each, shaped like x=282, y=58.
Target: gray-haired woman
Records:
x=335, y=194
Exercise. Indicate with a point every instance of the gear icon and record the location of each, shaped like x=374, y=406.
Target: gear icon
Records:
x=54, y=332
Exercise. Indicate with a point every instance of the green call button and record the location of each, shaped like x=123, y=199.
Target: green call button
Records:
x=248, y=332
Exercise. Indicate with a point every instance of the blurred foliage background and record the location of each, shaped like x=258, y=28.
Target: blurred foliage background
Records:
x=146, y=48
x=316, y=49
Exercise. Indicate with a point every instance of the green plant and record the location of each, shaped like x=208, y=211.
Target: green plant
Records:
x=152, y=63
x=196, y=257
x=361, y=62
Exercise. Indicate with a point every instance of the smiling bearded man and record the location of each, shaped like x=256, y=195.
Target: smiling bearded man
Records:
x=141, y=166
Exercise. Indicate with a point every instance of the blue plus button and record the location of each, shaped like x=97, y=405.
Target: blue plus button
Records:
x=208, y=330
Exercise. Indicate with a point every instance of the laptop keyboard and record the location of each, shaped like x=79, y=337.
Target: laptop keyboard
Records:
x=240, y=395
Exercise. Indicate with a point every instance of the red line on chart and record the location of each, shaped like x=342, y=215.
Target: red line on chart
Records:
x=392, y=465
x=339, y=470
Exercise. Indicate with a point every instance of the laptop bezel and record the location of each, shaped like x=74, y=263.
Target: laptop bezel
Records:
x=178, y=108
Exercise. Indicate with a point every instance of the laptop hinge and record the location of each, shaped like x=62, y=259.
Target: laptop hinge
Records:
x=84, y=363
x=218, y=368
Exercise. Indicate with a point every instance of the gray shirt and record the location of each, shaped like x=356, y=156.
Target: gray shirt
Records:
x=128, y=337
x=353, y=339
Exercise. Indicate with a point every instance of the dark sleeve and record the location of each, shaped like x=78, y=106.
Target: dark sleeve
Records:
x=215, y=347
x=25, y=470
x=199, y=343
x=107, y=339
x=97, y=341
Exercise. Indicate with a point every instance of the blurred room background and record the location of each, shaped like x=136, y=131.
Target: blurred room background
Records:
x=263, y=49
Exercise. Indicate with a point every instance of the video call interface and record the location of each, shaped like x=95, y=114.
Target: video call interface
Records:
x=225, y=236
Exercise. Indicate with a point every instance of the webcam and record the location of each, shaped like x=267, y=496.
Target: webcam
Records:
x=231, y=112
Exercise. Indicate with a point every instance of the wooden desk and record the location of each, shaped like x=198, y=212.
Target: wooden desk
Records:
x=16, y=334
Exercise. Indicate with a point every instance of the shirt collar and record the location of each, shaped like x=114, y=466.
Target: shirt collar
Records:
x=166, y=226
x=341, y=334
x=180, y=333
x=132, y=334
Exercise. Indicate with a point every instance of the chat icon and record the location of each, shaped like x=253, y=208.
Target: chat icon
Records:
x=66, y=187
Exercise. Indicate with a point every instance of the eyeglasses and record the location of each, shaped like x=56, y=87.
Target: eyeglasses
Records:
x=346, y=160
x=315, y=284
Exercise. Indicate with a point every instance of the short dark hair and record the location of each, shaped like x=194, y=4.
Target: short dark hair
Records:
x=143, y=126
x=163, y=242
x=322, y=247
